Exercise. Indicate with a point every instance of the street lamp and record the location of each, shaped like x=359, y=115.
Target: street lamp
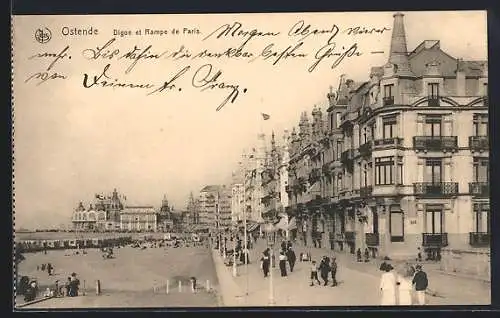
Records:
x=270, y=242
x=235, y=269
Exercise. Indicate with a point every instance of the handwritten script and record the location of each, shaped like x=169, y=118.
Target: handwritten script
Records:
x=198, y=64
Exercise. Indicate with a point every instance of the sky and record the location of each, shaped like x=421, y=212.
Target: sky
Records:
x=71, y=142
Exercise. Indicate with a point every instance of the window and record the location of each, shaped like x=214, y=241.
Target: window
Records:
x=375, y=220
x=400, y=179
x=365, y=175
x=338, y=119
x=339, y=182
x=388, y=91
x=485, y=89
x=384, y=167
x=372, y=131
x=339, y=149
x=434, y=219
x=332, y=122
x=433, y=170
x=396, y=221
x=433, y=90
x=389, y=127
x=480, y=124
x=481, y=170
x=365, y=135
x=433, y=126
x=481, y=218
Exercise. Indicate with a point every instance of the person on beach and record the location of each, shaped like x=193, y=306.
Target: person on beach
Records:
x=282, y=259
x=388, y=286
x=49, y=269
x=314, y=274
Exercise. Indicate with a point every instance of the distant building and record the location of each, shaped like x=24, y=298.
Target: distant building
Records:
x=138, y=219
x=103, y=215
x=165, y=219
x=215, y=207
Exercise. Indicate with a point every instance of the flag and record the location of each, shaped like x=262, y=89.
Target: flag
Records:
x=265, y=116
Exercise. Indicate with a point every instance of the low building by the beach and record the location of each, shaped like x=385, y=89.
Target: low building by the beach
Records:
x=139, y=219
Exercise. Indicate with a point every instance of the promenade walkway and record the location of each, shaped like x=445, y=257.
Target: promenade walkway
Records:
x=358, y=284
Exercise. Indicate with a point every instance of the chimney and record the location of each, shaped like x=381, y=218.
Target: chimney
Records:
x=460, y=81
x=399, y=52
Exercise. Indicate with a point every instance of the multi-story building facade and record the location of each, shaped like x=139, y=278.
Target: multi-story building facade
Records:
x=138, y=219
x=215, y=207
x=103, y=215
x=271, y=194
x=411, y=166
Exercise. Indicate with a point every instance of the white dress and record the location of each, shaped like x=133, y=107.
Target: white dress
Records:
x=388, y=287
x=405, y=290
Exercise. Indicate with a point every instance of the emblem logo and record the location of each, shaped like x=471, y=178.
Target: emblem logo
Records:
x=43, y=35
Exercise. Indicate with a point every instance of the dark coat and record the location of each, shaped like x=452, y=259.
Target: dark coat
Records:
x=420, y=281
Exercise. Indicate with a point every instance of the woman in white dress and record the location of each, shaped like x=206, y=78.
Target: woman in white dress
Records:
x=388, y=286
x=405, y=287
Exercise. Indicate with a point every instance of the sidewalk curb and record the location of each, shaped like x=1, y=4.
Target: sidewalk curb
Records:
x=463, y=276
x=34, y=302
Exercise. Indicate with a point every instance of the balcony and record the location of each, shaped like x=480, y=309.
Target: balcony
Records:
x=372, y=239
x=435, y=143
x=433, y=101
x=388, y=101
x=435, y=188
x=479, y=189
x=347, y=156
x=479, y=239
x=365, y=192
x=365, y=149
x=434, y=239
x=388, y=142
x=350, y=236
x=479, y=143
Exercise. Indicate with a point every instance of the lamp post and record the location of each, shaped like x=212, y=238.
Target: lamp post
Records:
x=235, y=269
x=270, y=242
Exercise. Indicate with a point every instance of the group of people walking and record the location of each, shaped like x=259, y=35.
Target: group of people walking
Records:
x=326, y=268
x=286, y=256
x=397, y=288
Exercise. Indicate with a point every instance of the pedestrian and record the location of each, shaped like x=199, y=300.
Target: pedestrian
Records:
x=49, y=269
x=324, y=269
x=283, y=245
x=314, y=273
x=74, y=285
x=358, y=255
x=43, y=267
x=419, y=255
x=292, y=258
x=421, y=282
x=265, y=262
x=367, y=255
x=289, y=244
x=333, y=271
x=282, y=259
x=68, y=287
x=388, y=286
x=404, y=287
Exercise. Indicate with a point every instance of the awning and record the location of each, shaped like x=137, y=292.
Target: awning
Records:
x=252, y=227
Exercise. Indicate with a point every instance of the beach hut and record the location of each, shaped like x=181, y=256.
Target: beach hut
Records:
x=73, y=243
x=95, y=242
x=51, y=244
x=66, y=243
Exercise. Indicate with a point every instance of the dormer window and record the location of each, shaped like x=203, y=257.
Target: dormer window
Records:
x=433, y=91
x=389, y=94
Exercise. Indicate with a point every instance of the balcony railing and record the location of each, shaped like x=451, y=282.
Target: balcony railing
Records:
x=479, y=239
x=434, y=239
x=433, y=101
x=350, y=236
x=372, y=239
x=388, y=101
x=388, y=142
x=479, y=143
x=435, y=188
x=435, y=143
x=365, y=191
x=479, y=189
x=365, y=149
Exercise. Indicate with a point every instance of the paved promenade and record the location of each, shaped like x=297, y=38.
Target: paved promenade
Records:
x=358, y=284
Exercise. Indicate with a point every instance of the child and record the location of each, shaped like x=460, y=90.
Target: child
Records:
x=314, y=274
